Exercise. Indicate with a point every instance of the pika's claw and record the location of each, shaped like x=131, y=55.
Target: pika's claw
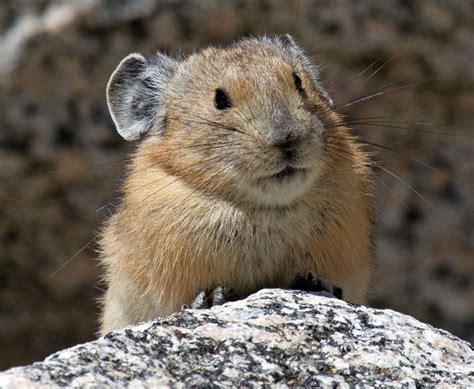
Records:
x=200, y=302
x=311, y=284
x=218, y=296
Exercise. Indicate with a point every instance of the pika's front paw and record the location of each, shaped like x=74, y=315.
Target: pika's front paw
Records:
x=309, y=283
x=218, y=296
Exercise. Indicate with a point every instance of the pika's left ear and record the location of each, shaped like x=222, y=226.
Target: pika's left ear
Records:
x=289, y=44
x=135, y=93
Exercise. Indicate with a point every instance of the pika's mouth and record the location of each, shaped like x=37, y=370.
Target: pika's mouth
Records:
x=287, y=173
x=281, y=188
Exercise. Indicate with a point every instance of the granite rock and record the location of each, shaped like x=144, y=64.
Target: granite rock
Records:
x=274, y=337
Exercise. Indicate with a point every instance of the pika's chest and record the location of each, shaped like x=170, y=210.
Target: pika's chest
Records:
x=254, y=238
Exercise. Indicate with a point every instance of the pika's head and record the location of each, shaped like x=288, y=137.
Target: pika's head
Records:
x=246, y=121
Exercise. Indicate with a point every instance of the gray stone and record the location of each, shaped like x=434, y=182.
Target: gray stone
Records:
x=274, y=337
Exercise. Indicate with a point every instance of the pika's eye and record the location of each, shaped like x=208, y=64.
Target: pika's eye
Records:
x=298, y=84
x=222, y=99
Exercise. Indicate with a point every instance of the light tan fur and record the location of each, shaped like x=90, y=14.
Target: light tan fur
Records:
x=199, y=211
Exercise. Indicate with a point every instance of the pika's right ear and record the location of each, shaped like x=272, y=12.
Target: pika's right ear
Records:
x=134, y=93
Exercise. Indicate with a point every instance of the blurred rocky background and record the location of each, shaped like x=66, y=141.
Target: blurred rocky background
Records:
x=61, y=161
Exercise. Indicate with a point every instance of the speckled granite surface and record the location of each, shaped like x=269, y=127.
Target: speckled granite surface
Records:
x=273, y=337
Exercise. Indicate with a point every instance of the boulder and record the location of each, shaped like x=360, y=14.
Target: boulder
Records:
x=274, y=337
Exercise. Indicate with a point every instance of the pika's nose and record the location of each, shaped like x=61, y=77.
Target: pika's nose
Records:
x=285, y=135
x=288, y=145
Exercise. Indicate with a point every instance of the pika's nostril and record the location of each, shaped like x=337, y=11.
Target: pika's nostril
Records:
x=288, y=148
x=287, y=141
x=289, y=154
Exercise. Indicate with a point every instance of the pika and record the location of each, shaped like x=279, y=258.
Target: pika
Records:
x=244, y=178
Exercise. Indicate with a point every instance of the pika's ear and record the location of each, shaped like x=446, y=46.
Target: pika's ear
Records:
x=134, y=93
x=287, y=41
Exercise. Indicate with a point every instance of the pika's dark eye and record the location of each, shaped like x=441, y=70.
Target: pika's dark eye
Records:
x=222, y=99
x=298, y=84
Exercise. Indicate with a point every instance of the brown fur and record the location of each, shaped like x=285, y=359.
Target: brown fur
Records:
x=191, y=220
